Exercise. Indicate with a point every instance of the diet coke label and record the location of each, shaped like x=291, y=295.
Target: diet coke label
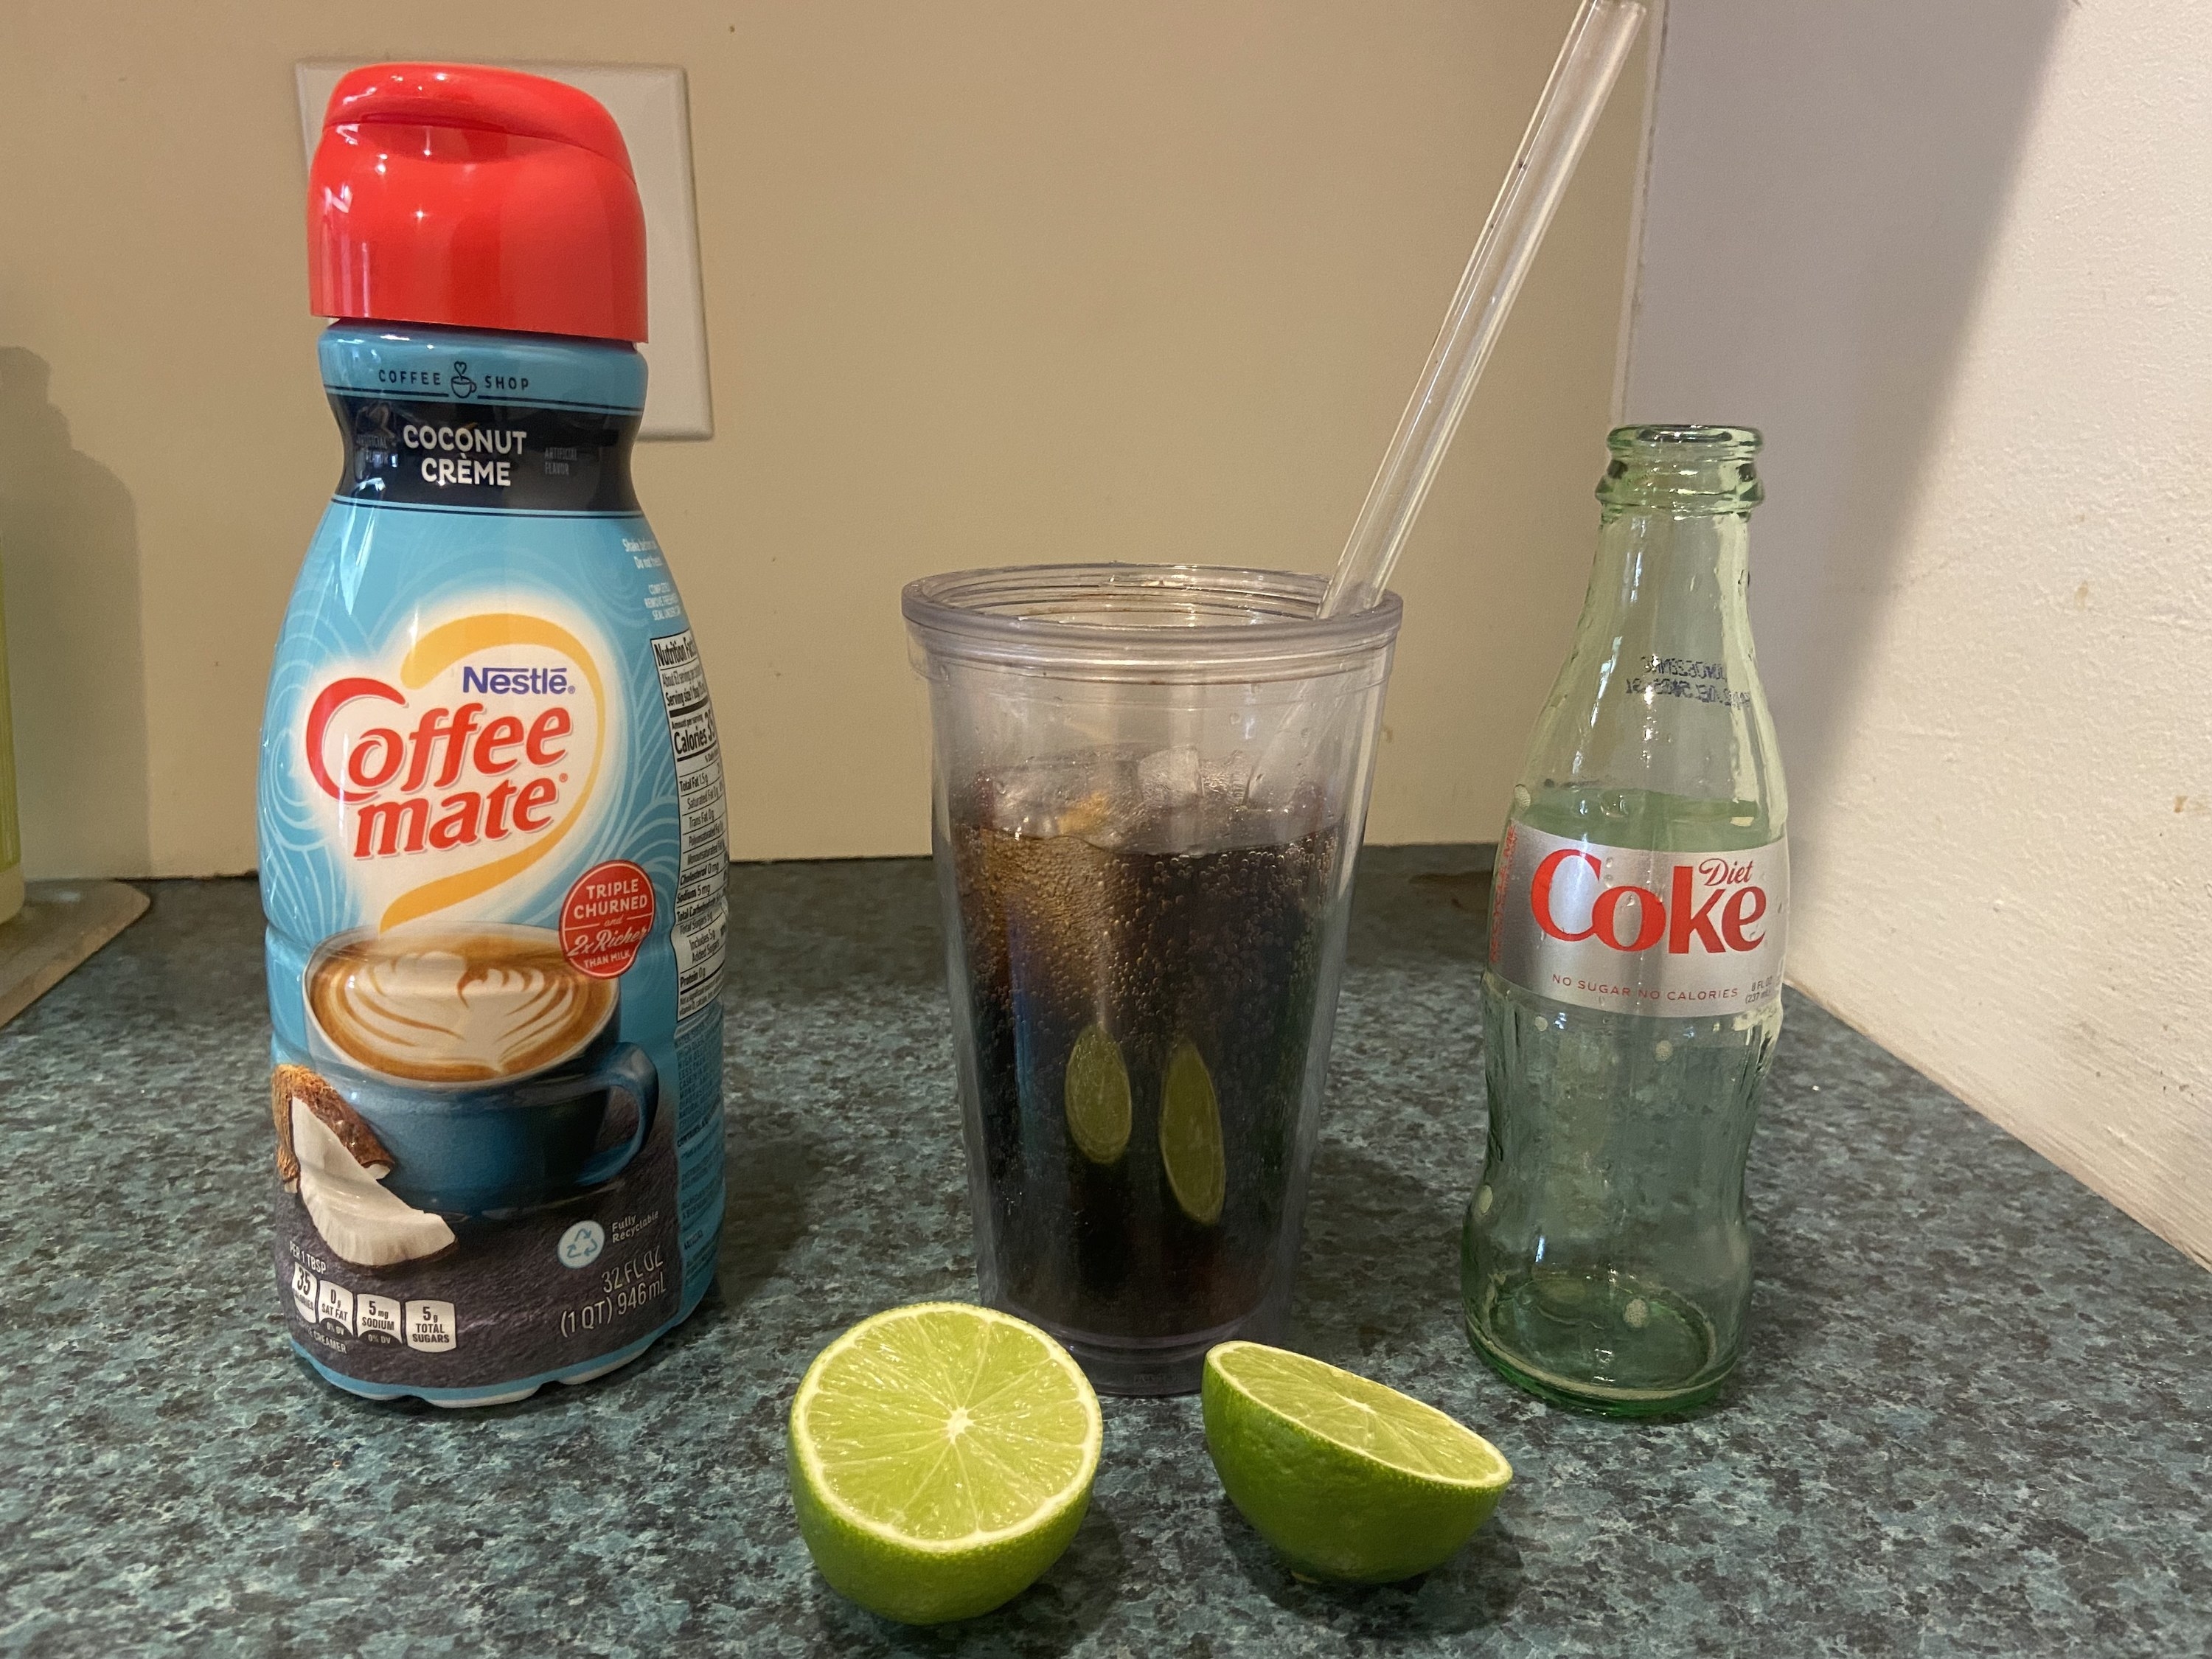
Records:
x=1636, y=931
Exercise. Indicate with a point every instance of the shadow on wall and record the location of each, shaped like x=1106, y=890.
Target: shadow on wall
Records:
x=69, y=557
x=1825, y=185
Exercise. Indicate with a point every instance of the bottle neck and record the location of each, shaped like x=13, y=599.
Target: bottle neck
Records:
x=1656, y=733
x=1673, y=564
x=1669, y=585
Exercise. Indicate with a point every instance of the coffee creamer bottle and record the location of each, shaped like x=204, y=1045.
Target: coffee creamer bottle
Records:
x=491, y=810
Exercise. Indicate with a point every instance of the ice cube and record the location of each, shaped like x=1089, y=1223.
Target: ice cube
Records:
x=1029, y=801
x=1188, y=805
x=1172, y=779
x=1094, y=796
x=1113, y=812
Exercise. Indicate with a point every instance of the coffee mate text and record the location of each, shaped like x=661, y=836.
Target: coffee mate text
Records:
x=453, y=777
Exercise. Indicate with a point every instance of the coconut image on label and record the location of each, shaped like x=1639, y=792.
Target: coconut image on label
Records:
x=491, y=811
x=327, y=1154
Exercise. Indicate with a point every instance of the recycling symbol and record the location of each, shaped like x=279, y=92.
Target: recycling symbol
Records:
x=581, y=1245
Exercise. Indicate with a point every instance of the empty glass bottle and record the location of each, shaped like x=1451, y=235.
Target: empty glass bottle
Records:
x=1634, y=987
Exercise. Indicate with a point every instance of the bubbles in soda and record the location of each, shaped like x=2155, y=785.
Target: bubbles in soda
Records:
x=1143, y=950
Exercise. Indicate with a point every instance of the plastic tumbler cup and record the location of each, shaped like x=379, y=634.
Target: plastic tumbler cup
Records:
x=1149, y=784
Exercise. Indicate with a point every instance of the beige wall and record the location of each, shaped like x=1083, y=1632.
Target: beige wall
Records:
x=985, y=283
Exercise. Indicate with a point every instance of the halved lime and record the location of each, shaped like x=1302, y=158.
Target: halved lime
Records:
x=941, y=1457
x=1190, y=1136
x=1348, y=1479
x=1097, y=1097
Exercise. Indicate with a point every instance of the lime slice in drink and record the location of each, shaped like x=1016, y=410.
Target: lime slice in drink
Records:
x=941, y=1458
x=1190, y=1136
x=1097, y=1096
x=1348, y=1479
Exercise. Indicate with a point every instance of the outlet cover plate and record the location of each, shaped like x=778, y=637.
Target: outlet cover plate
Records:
x=650, y=104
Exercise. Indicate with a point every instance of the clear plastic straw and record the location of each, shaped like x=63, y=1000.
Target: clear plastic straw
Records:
x=1582, y=79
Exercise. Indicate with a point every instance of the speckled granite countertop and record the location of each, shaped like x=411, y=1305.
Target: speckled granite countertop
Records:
x=1975, y=1416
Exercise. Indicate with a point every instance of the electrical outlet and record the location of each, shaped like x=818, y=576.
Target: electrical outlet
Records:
x=650, y=107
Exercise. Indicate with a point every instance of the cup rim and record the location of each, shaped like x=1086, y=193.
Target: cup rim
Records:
x=337, y=1054
x=1268, y=627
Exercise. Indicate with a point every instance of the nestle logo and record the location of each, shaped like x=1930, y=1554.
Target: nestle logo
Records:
x=533, y=682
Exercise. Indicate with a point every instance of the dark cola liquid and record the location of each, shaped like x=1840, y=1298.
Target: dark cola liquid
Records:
x=1221, y=949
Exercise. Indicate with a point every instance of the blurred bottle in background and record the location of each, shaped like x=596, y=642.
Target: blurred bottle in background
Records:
x=1634, y=989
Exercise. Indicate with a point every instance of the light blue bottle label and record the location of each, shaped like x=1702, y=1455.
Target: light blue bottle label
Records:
x=492, y=859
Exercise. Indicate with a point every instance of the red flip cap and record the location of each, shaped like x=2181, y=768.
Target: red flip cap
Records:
x=475, y=197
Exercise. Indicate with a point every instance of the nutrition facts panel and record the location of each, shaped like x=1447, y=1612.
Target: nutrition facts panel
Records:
x=703, y=865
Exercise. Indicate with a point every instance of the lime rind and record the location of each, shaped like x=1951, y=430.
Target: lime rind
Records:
x=917, y=1588
x=1382, y=1489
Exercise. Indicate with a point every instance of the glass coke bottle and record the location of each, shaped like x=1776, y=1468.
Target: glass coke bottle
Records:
x=1634, y=992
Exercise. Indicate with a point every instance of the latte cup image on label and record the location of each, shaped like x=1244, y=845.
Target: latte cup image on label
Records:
x=487, y=1066
x=445, y=1003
